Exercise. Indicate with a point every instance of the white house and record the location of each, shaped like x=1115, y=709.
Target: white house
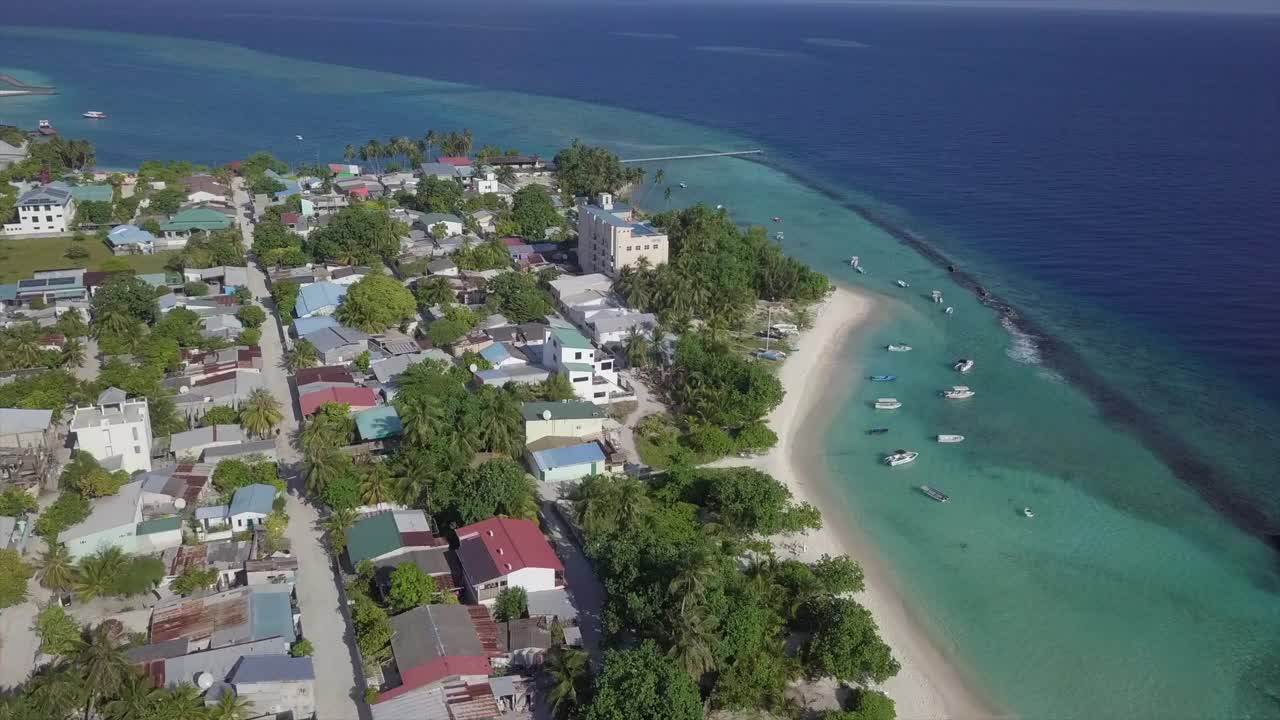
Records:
x=250, y=506
x=452, y=223
x=588, y=301
x=43, y=210
x=564, y=419
x=117, y=520
x=590, y=372
x=506, y=552
x=116, y=431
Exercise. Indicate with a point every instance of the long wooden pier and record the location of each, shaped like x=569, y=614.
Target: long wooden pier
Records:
x=696, y=155
x=10, y=85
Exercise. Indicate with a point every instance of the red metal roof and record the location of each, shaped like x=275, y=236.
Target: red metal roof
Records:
x=361, y=191
x=356, y=398
x=512, y=241
x=511, y=544
x=455, y=160
x=290, y=218
x=326, y=373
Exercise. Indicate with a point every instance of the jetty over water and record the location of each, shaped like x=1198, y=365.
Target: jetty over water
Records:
x=10, y=85
x=695, y=155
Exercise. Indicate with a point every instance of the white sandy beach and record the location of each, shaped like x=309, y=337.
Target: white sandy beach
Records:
x=929, y=685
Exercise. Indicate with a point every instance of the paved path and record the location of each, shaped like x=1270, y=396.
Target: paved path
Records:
x=584, y=588
x=18, y=641
x=338, y=677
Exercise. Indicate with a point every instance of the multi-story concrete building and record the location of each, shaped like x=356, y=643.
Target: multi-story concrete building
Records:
x=116, y=431
x=609, y=239
x=589, y=370
x=44, y=210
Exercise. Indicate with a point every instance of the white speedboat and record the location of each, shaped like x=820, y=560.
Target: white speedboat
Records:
x=950, y=310
x=888, y=404
x=95, y=115
x=958, y=392
x=903, y=284
x=950, y=438
x=901, y=457
x=778, y=236
x=684, y=185
x=896, y=347
x=298, y=138
x=1026, y=512
x=859, y=269
x=963, y=365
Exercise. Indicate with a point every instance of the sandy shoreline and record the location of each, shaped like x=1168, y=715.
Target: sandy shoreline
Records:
x=929, y=685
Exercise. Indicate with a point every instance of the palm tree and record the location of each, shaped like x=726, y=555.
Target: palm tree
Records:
x=465, y=142
x=422, y=419
x=637, y=350
x=103, y=664
x=98, y=572
x=323, y=467
x=692, y=640
x=318, y=434
x=602, y=503
x=658, y=176
x=181, y=703
x=55, y=690
x=302, y=356
x=230, y=707
x=136, y=699
x=556, y=387
x=260, y=413
x=498, y=425
x=114, y=322
x=349, y=153
x=56, y=571
x=73, y=353
x=375, y=481
x=25, y=349
x=429, y=141
x=570, y=678
x=336, y=525
x=666, y=195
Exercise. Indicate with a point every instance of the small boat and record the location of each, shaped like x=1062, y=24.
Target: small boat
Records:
x=859, y=269
x=958, y=392
x=950, y=310
x=877, y=431
x=950, y=438
x=1026, y=512
x=95, y=115
x=903, y=284
x=777, y=236
x=963, y=365
x=895, y=347
x=936, y=495
x=888, y=404
x=298, y=138
x=719, y=207
x=684, y=185
x=901, y=457
x=854, y=261
x=937, y=296
x=883, y=378
x=777, y=218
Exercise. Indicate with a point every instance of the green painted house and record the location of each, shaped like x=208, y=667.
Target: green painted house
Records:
x=191, y=220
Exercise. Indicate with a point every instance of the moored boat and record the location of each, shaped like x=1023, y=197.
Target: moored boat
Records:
x=935, y=494
x=877, y=431
x=1026, y=512
x=888, y=404
x=684, y=185
x=903, y=284
x=950, y=438
x=958, y=392
x=897, y=347
x=883, y=378
x=901, y=457
x=95, y=115
x=963, y=365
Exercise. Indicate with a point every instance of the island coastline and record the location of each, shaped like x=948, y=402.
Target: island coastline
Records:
x=929, y=685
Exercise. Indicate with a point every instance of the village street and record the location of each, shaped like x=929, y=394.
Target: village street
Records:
x=338, y=678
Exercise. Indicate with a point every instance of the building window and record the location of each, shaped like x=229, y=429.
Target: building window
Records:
x=599, y=395
x=584, y=378
x=137, y=449
x=577, y=356
x=135, y=433
x=48, y=218
x=606, y=365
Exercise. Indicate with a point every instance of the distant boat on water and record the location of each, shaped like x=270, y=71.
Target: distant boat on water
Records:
x=950, y=438
x=897, y=347
x=298, y=138
x=877, y=431
x=901, y=457
x=935, y=494
x=95, y=115
x=684, y=185
x=903, y=284
x=963, y=365
x=888, y=404
x=958, y=392
x=883, y=378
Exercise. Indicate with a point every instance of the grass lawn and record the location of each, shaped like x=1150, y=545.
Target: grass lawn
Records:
x=20, y=258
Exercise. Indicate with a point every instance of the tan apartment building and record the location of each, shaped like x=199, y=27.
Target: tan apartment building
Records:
x=609, y=240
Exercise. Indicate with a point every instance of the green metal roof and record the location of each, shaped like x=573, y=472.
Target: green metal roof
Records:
x=579, y=367
x=567, y=410
x=161, y=278
x=92, y=193
x=375, y=535
x=571, y=338
x=377, y=423
x=155, y=525
x=196, y=219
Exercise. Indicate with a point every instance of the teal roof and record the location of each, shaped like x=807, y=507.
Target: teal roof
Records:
x=372, y=537
x=378, y=423
x=161, y=278
x=196, y=219
x=92, y=193
x=9, y=292
x=579, y=367
x=565, y=410
x=571, y=338
x=155, y=525
x=271, y=615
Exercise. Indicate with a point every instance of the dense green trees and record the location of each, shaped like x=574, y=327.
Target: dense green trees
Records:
x=15, y=501
x=512, y=603
x=14, y=574
x=586, y=170
x=497, y=487
x=533, y=212
x=411, y=588
x=59, y=633
x=260, y=413
x=711, y=382
x=194, y=579
x=519, y=297
x=488, y=255
x=357, y=235
x=376, y=303
x=437, y=195
x=643, y=684
x=231, y=475
x=69, y=509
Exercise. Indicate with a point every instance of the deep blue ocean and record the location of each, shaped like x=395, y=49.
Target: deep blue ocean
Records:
x=1116, y=177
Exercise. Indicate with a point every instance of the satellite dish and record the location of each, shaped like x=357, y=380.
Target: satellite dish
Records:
x=184, y=390
x=180, y=503
x=204, y=680
x=546, y=414
x=473, y=367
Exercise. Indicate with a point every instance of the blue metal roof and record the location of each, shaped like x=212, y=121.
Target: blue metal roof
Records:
x=303, y=326
x=255, y=498
x=583, y=454
x=273, y=668
x=271, y=615
x=317, y=296
x=495, y=353
x=9, y=292
x=377, y=423
x=129, y=235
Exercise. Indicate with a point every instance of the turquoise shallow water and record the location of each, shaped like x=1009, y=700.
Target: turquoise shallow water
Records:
x=1127, y=596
